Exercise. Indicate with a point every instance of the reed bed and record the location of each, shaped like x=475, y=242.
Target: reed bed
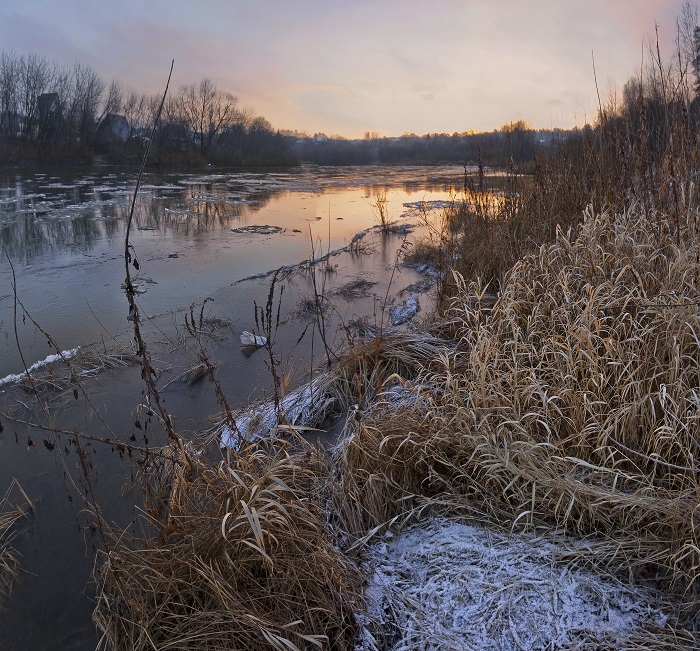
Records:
x=571, y=405
x=245, y=558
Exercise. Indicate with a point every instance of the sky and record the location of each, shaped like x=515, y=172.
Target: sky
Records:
x=350, y=66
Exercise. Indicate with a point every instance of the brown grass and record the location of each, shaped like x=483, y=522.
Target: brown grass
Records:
x=245, y=559
x=568, y=408
x=572, y=405
x=11, y=512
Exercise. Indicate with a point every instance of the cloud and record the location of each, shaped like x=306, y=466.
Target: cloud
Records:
x=389, y=65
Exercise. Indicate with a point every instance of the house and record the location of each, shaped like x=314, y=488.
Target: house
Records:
x=48, y=110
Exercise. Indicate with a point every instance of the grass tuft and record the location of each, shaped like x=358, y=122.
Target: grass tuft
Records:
x=245, y=559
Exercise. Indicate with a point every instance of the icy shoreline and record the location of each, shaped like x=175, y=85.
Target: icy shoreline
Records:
x=13, y=378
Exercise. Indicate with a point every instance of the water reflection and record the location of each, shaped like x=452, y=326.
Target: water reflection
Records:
x=39, y=218
x=26, y=238
x=44, y=214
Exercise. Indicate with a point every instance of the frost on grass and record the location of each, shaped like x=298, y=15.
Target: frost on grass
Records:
x=16, y=377
x=405, y=311
x=305, y=407
x=444, y=585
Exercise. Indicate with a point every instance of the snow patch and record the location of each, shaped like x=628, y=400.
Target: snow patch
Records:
x=442, y=584
x=13, y=378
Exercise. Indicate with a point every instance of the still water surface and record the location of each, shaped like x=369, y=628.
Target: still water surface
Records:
x=64, y=235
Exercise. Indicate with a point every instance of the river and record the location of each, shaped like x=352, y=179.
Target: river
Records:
x=196, y=236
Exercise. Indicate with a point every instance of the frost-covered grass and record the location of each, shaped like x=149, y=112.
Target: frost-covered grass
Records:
x=13, y=378
x=441, y=584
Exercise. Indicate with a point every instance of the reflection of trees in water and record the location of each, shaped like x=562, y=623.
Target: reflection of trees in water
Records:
x=112, y=228
x=34, y=226
x=76, y=211
x=28, y=237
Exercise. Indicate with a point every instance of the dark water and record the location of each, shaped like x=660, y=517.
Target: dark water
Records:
x=64, y=235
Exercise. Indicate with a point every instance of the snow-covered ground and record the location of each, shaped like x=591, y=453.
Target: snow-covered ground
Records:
x=445, y=585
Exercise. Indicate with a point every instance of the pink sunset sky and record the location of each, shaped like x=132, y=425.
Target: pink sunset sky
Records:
x=346, y=67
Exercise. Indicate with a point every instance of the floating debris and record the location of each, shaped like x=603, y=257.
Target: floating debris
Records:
x=249, y=339
x=139, y=283
x=354, y=289
x=258, y=230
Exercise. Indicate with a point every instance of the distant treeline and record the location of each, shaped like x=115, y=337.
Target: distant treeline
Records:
x=64, y=114
x=50, y=112
x=514, y=143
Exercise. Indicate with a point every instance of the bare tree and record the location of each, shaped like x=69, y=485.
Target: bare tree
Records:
x=9, y=104
x=136, y=111
x=113, y=102
x=35, y=79
x=688, y=43
x=86, y=92
x=206, y=112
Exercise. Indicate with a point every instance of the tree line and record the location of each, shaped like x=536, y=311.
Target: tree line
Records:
x=514, y=143
x=49, y=111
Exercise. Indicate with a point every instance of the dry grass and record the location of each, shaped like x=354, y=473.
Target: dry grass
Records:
x=571, y=405
x=245, y=559
x=567, y=408
x=11, y=512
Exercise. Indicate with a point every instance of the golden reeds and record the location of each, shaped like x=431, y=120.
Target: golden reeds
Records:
x=572, y=404
x=245, y=559
x=569, y=407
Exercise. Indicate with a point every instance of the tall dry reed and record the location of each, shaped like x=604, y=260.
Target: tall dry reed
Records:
x=245, y=559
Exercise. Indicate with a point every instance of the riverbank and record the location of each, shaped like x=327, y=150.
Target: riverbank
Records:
x=563, y=412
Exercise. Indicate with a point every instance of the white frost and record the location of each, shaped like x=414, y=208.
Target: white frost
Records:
x=306, y=407
x=441, y=584
x=404, y=311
